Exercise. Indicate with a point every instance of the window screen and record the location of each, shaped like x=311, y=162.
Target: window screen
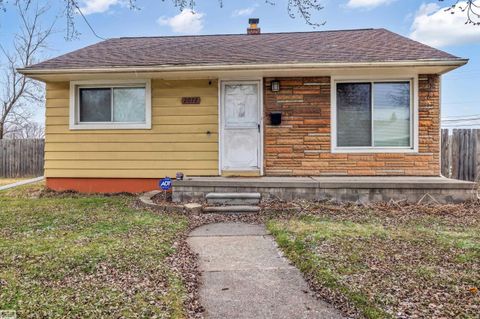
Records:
x=354, y=118
x=112, y=104
x=95, y=105
x=376, y=114
x=129, y=105
x=391, y=122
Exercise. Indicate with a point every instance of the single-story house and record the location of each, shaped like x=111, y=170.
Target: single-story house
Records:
x=124, y=112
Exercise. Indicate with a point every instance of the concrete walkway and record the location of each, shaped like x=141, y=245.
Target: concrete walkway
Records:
x=24, y=182
x=245, y=276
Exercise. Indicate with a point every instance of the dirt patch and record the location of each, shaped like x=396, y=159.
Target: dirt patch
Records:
x=163, y=198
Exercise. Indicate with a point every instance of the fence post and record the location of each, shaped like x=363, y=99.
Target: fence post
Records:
x=454, y=146
x=477, y=155
x=470, y=157
x=445, y=156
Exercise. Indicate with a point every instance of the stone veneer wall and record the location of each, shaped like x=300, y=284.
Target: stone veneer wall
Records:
x=301, y=144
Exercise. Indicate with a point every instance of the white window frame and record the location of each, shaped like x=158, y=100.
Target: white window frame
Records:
x=75, y=123
x=413, y=148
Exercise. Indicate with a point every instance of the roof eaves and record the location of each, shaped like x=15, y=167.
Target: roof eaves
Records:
x=457, y=62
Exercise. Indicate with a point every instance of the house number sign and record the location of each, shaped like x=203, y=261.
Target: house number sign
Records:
x=191, y=100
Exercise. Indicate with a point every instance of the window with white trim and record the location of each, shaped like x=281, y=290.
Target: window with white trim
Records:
x=374, y=115
x=113, y=105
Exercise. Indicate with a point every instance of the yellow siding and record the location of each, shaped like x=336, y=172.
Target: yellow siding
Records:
x=178, y=140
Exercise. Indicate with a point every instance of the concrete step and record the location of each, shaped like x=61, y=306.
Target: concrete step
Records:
x=231, y=209
x=233, y=198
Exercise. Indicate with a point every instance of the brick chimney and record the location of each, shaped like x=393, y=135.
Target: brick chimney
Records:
x=253, y=29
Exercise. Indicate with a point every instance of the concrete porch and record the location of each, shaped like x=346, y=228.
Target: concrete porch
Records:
x=341, y=188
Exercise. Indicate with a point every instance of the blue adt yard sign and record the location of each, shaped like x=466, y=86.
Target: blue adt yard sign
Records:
x=165, y=183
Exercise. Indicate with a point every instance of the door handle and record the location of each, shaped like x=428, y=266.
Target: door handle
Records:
x=258, y=125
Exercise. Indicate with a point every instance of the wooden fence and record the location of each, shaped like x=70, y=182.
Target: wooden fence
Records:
x=461, y=154
x=21, y=157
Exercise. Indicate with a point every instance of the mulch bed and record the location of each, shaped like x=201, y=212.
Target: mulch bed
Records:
x=163, y=198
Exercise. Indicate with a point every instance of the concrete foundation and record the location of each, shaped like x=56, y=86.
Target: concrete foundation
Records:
x=343, y=189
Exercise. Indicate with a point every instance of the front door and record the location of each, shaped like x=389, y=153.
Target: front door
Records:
x=240, y=127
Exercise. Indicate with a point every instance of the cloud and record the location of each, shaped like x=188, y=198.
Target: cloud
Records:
x=244, y=11
x=97, y=6
x=436, y=27
x=186, y=21
x=368, y=4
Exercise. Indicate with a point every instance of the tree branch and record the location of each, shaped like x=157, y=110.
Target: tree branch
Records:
x=470, y=7
x=18, y=91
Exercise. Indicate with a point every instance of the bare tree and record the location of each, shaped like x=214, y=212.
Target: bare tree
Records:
x=26, y=130
x=295, y=8
x=19, y=93
x=470, y=7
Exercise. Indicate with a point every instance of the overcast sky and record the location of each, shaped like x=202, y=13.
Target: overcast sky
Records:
x=425, y=21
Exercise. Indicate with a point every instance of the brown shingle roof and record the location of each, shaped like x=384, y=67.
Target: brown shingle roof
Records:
x=367, y=45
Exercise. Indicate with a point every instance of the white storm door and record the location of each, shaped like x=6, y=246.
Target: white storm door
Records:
x=240, y=125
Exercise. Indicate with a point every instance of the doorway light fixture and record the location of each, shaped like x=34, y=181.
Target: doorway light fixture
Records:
x=275, y=86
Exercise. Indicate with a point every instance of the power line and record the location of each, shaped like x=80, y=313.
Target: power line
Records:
x=462, y=116
x=86, y=21
x=462, y=120
x=460, y=126
x=460, y=103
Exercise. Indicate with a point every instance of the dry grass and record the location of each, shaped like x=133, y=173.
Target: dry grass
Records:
x=69, y=255
x=6, y=181
x=74, y=256
x=400, y=261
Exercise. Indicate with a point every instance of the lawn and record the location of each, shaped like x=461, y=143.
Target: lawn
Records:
x=85, y=256
x=389, y=261
x=64, y=256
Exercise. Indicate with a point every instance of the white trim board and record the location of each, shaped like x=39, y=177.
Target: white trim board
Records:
x=447, y=64
x=412, y=78
x=74, y=102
